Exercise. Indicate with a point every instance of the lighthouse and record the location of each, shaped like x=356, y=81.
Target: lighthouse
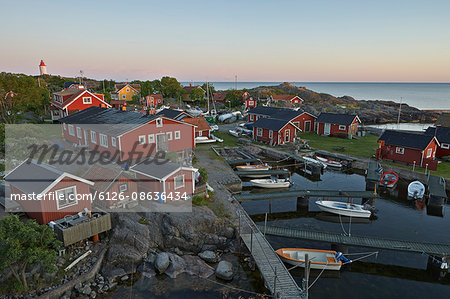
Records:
x=42, y=68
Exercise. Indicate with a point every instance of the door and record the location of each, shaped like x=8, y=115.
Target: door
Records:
x=327, y=129
x=307, y=126
x=86, y=137
x=161, y=142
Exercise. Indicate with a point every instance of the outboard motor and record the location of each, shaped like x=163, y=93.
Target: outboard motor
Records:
x=340, y=257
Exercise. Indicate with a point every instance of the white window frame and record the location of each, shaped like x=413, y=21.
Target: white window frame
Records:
x=429, y=152
x=175, y=182
x=71, y=130
x=93, y=137
x=270, y=134
x=113, y=141
x=124, y=96
x=399, y=150
x=142, y=139
x=151, y=138
x=87, y=100
x=128, y=90
x=103, y=140
x=159, y=122
x=252, y=117
x=169, y=136
x=64, y=126
x=342, y=127
x=445, y=145
x=79, y=132
x=251, y=103
x=75, y=202
x=123, y=185
x=259, y=132
x=177, y=135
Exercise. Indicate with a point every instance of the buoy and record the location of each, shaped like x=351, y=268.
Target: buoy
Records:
x=207, y=196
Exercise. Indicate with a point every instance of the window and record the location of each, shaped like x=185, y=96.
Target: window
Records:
x=64, y=126
x=342, y=128
x=124, y=96
x=177, y=135
x=251, y=117
x=259, y=132
x=179, y=182
x=445, y=145
x=142, y=139
x=169, y=135
x=128, y=90
x=250, y=103
x=113, y=141
x=400, y=150
x=270, y=134
x=286, y=135
x=123, y=187
x=159, y=123
x=71, y=131
x=78, y=132
x=87, y=100
x=66, y=197
x=429, y=152
x=151, y=138
x=103, y=140
x=93, y=137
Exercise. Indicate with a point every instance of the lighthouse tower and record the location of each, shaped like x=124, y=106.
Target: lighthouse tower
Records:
x=42, y=68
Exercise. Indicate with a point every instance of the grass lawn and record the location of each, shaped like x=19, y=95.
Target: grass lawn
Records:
x=363, y=148
x=228, y=139
x=443, y=168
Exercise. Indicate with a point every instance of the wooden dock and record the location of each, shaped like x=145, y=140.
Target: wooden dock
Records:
x=372, y=171
x=371, y=242
x=275, y=274
x=262, y=172
x=436, y=191
x=305, y=193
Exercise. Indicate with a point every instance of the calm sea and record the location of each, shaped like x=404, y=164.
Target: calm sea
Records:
x=420, y=95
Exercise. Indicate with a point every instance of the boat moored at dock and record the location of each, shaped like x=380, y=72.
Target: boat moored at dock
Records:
x=389, y=179
x=271, y=183
x=319, y=259
x=329, y=162
x=416, y=190
x=344, y=209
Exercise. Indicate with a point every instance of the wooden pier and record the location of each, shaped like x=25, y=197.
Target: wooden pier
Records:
x=262, y=172
x=305, y=193
x=277, y=278
x=436, y=191
x=371, y=242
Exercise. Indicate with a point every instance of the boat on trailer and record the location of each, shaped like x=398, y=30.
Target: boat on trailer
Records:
x=416, y=190
x=329, y=162
x=344, y=209
x=271, y=183
x=320, y=259
x=204, y=139
x=389, y=179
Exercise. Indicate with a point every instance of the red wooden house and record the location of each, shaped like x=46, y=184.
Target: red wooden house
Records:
x=202, y=128
x=274, y=131
x=442, y=135
x=169, y=178
x=119, y=104
x=286, y=100
x=338, y=125
x=46, y=193
x=301, y=119
x=249, y=103
x=219, y=97
x=412, y=148
x=127, y=135
x=153, y=100
x=110, y=181
x=74, y=98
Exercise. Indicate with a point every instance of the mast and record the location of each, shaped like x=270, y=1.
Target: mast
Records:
x=399, y=112
x=207, y=94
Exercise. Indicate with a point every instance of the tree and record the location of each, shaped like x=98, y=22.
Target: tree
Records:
x=26, y=244
x=197, y=94
x=170, y=87
x=234, y=97
x=211, y=88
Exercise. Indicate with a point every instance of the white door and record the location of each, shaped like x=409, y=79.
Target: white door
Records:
x=327, y=129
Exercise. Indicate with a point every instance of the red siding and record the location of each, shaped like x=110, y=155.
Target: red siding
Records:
x=300, y=121
x=114, y=191
x=78, y=104
x=335, y=131
x=277, y=137
x=410, y=155
x=148, y=184
x=442, y=152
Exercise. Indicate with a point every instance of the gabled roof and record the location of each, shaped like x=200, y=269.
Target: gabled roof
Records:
x=406, y=139
x=120, y=86
x=39, y=178
x=219, y=96
x=442, y=133
x=75, y=94
x=188, y=89
x=271, y=124
x=174, y=114
x=155, y=96
x=335, y=118
x=157, y=168
x=104, y=177
x=275, y=112
x=285, y=97
x=443, y=120
x=199, y=122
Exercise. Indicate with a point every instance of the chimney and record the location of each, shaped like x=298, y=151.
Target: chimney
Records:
x=190, y=84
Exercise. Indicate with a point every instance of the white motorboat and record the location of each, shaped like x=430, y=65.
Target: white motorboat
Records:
x=329, y=162
x=216, y=138
x=344, y=209
x=235, y=133
x=271, y=183
x=204, y=139
x=253, y=167
x=319, y=259
x=314, y=161
x=416, y=190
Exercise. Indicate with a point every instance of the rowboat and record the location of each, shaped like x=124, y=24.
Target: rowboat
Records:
x=314, y=161
x=204, y=139
x=319, y=259
x=329, y=162
x=235, y=133
x=253, y=167
x=389, y=179
x=342, y=208
x=416, y=190
x=271, y=183
x=216, y=138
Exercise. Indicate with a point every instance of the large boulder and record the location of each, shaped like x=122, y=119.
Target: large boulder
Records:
x=208, y=256
x=188, y=264
x=162, y=262
x=224, y=270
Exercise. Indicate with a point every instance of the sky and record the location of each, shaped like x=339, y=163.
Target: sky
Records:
x=302, y=41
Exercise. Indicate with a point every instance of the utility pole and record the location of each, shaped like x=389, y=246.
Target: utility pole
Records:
x=235, y=82
x=399, y=112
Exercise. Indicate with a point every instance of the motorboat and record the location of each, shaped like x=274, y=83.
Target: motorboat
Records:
x=344, y=209
x=216, y=138
x=253, y=167
x=314, y=161
x=271, y=183
x=204, y=139
x=329, y=162
x=416, y=190
x=389, y=179
x=319, y=259
x=235, y=133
